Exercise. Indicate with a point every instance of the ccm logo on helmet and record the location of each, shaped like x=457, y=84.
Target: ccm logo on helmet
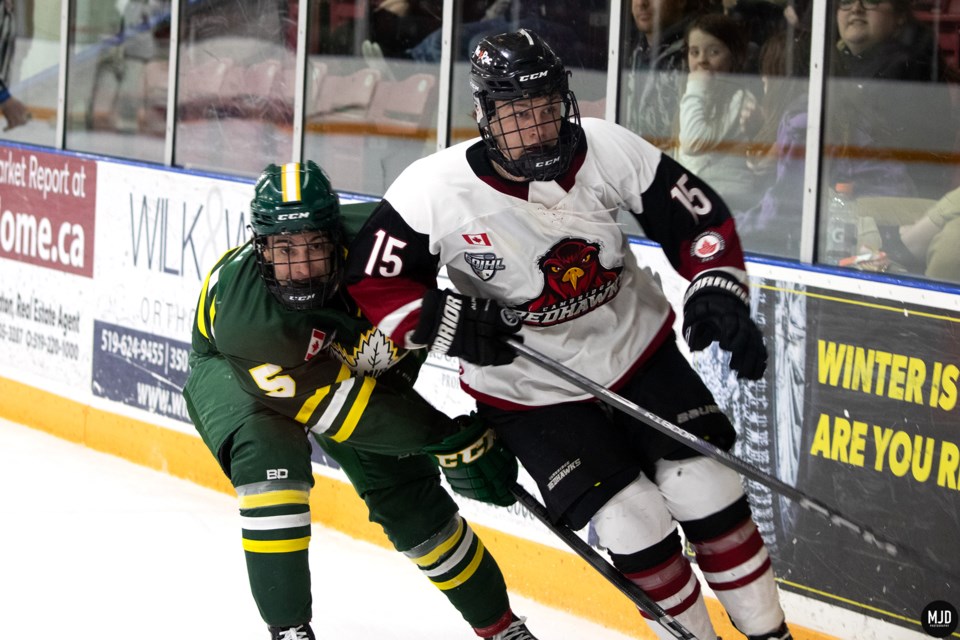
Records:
x=534, y=76
x=547, y=163
x=293, y=216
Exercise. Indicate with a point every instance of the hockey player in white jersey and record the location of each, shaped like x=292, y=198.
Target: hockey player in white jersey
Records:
x=524, y=220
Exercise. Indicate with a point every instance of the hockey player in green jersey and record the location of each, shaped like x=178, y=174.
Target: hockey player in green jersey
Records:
x=280, y=354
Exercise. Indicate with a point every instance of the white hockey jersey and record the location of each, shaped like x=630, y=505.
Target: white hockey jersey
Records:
x=551, y=251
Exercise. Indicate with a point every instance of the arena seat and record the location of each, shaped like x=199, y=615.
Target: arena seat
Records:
x=404, y=106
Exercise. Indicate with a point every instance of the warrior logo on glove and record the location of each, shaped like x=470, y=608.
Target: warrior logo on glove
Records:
x=474, y=329
x=716, y=308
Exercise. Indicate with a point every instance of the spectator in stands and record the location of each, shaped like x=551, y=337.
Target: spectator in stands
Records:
x=916, y=235
x=869, y=46
x=773, y=224
x=398, y=25
x=718, y=115
x=880, y=47
x=551, y=19
x=935, y=238
x=655, y=81
x=760, y=19
x=784, y=66
x=14, y=111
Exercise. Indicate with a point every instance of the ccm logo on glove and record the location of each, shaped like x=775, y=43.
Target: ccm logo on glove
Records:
x=470, y=454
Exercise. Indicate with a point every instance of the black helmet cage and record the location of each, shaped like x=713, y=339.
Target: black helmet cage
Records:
x=295, y=218
x=309, y=293
x=520, y=66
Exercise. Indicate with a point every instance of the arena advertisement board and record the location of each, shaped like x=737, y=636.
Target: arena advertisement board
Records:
x=158, y=234
x=47, y=206
x=880, y=442
x=47, y=228
x=140, y=369
x=44, y=323
x=858, y=409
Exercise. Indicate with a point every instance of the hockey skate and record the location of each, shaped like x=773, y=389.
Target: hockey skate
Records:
x=299, y=632
x=783, y=633
x=517, y=630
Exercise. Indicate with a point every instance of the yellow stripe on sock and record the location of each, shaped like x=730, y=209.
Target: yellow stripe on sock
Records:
x=467, y=573
x=449, y=543
x=276, y=546
x=273, y=498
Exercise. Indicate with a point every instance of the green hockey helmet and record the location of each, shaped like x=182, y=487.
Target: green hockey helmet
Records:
x=298, y=234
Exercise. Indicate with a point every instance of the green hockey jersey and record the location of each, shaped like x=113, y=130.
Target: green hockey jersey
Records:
x=295, y=362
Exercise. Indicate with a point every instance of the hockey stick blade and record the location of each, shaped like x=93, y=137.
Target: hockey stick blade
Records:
x=890, y=547
x=607, y=570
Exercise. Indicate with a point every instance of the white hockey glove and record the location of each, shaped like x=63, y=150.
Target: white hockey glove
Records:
x=716, y=308
x=470, y=328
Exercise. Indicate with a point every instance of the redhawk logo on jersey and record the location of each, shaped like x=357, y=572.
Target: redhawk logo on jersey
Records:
x=317, y=340
x=707, y=245
x=477, y=239
x=575, y=283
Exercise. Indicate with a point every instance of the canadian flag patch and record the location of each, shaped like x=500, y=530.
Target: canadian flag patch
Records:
x=477, y=239
x=317, y=340
x=707, y=245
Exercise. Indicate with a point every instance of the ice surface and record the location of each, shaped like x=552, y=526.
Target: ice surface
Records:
x=95, y=547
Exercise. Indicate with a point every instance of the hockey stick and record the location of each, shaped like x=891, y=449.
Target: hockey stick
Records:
x=888, y=546
x=608, y=571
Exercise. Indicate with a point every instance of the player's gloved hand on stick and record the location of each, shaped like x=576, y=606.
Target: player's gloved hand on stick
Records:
x=475, y=463
x=470, y=328
x=716, y=308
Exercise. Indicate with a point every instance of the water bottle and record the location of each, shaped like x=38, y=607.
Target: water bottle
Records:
x=841, y=241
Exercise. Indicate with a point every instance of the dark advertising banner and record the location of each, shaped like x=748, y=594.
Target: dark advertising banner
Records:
x=858, y=410
x=140, y=369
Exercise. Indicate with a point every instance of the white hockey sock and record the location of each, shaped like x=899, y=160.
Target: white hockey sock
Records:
x=675, y=588
x=737, y=567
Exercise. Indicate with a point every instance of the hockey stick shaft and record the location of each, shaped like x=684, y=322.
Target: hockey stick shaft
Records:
x=891, y=548
x=608, y=571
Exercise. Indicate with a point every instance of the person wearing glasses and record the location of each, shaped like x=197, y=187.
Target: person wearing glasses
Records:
x=881, y=48
x=869, y=46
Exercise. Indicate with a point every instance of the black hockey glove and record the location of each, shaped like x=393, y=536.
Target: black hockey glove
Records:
x=716, y=308
x=475, y=463
x=470, y=328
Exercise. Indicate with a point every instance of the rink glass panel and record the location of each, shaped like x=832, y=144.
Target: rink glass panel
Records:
x=33, y=71
x=370, y=108
x=236, y=85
